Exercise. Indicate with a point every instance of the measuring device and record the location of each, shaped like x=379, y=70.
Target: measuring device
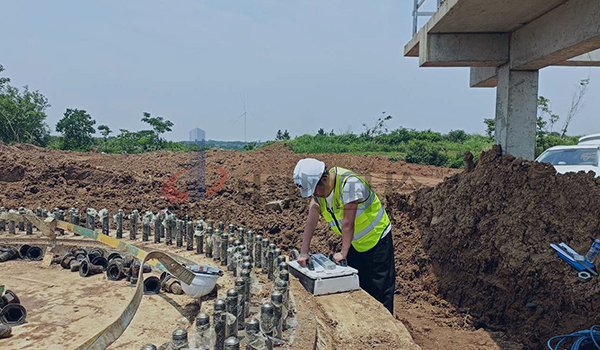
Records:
x=585, y=270
x=323, y=276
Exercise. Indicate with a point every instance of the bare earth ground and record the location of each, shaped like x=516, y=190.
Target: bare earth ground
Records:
x=30, y=177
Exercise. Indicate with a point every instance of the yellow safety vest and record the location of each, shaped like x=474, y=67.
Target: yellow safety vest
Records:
x=371, y=219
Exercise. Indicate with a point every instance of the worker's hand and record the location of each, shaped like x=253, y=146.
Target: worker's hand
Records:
x=337, y=257
x=303, y=259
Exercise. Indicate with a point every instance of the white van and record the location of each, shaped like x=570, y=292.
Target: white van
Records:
x=581, y=157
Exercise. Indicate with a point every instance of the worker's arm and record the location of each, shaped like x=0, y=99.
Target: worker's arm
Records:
x=347, y=230
x=311, y=223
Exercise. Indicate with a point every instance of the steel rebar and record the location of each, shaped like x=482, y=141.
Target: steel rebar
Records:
x=179, y=233
x=252, y=331
x=203, y=331
x=258, y=251
x=209, y=243
x=219, y=323
x=224, y=247
x=180, y=339
x=22, y=211
x=169, y=229
x=190, y=235
x=264, y=251
x=2, y=221
x=232, y=343
x=119, y=223
x=266, y=323
x=277, y=301
x=240, y=287
x=133, y=224
x=104, y=218
x=232, y=300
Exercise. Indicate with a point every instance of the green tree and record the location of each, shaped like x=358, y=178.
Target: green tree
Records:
x=378, y=129
x=159, y=125
x=282, y=136
x=77, y=127
x=22, y=114
x=490, y=127
x=104, y=131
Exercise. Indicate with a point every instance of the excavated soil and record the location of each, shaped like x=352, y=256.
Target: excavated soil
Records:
x=486, y=235
x=471, y=253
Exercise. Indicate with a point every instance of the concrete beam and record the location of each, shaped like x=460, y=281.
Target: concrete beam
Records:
x=568, y=31
x=590, y=59
x=484, y=77
x=463, y=50
x=516, y=111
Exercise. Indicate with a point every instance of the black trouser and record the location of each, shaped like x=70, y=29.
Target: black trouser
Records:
x=376, y=270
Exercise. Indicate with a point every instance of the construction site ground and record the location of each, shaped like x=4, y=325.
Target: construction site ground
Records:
x=471, y=247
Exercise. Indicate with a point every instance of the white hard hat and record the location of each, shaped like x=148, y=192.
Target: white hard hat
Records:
x=307, y=174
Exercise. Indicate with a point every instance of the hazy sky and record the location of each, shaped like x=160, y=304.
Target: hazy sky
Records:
x=299, y=65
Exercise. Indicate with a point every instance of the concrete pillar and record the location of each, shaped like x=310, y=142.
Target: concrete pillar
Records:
x=516, y=111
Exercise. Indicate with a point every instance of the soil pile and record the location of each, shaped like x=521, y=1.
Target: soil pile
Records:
x=485, y=237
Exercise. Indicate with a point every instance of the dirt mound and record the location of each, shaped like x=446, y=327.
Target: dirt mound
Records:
x=485, y=236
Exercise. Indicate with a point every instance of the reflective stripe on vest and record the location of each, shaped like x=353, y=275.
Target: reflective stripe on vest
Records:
x=370, y=221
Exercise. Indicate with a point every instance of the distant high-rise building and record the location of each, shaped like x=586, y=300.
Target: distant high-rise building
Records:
x=197, y=134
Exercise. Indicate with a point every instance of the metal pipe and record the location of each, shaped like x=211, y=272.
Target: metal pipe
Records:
x=240, y=287
x=266, y=323
x=13, y=314
x=23, y=251
x=230, y=260
x=209, y=242
x=2, y=221
x=133, y=224
x=5, y=331
x=277, y=301
x=119, y=223
x=232, y=308
x=115, y=270
x=75, y=265
x=250, y=242
x=11, y=225
x=232, y=343
x=224, y=246
x=240, y=235
x=216, y=254
x=103, y=214
x=203, y=331
x=221, y=226
x=35, y=253
x=231, y=228
x=258, y=251
x=252, y=330
x=88, y=269
x=199, y=241
x=22, y=211
x=146, y=228
x=149, y=347
x=169, y=229
x=270, y=259
x=190, y=235
x=245, y=274
x=275, y=267
x=219, y=323
x=172, y=285
x=100, y=261
x=178, y=233
x=90, y=218
x=264, y=251
x=180, y=339
x=151, y=285
x=9, y=254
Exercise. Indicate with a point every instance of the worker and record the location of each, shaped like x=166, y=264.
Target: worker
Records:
x=352, y=210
